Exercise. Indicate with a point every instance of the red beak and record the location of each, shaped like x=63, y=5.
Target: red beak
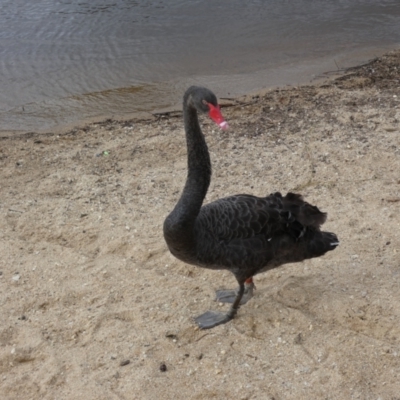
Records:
x=216, y=116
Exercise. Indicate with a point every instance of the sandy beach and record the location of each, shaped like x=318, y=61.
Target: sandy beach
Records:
x=93, y=306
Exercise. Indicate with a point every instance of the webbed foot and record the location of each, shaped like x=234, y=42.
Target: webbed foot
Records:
x=210, y=319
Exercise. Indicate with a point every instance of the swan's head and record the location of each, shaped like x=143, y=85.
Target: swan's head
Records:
x=205, y=101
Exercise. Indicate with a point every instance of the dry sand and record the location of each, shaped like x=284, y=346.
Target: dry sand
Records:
x=93, y=306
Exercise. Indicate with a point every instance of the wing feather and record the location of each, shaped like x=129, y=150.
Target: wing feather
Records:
x=239, y=217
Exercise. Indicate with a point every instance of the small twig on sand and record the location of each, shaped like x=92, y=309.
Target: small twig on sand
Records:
x=201, y=337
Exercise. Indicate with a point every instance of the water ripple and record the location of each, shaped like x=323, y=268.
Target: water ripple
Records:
x=54, y=51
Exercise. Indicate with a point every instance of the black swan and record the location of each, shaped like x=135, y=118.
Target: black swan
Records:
x=243, y=234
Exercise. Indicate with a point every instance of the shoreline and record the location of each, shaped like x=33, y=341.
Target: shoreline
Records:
x=149, y=115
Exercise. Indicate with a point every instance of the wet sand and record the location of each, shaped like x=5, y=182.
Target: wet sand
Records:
x=93, y=306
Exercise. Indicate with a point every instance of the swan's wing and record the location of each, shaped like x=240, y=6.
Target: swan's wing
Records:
x=248, y=234
x=240, y=217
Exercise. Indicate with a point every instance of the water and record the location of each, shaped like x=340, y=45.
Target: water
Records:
x=65, y=61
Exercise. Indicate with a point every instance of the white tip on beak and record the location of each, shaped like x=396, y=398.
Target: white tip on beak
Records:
x=224, y=125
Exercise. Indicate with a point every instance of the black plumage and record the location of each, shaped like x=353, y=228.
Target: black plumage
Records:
x=243, y=234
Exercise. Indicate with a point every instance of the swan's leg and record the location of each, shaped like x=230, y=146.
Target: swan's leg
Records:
x=210, y=319
x=229, y=296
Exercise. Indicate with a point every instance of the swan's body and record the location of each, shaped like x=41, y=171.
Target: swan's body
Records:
x=243, y=234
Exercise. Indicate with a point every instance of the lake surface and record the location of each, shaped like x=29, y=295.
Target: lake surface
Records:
x=66, y=61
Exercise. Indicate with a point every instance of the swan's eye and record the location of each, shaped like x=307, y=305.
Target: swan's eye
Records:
x=216, y=116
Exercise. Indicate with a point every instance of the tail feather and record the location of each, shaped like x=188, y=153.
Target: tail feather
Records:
x=319, y=243
x=305, y=213
x=303, y=224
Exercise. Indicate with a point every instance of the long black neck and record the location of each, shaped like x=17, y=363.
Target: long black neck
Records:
x=179, y=225
x=199, y=164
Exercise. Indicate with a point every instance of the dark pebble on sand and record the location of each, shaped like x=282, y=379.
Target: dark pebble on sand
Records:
x=125, y=362
x=298, y=339
x=163, y=367
x=171, y=335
